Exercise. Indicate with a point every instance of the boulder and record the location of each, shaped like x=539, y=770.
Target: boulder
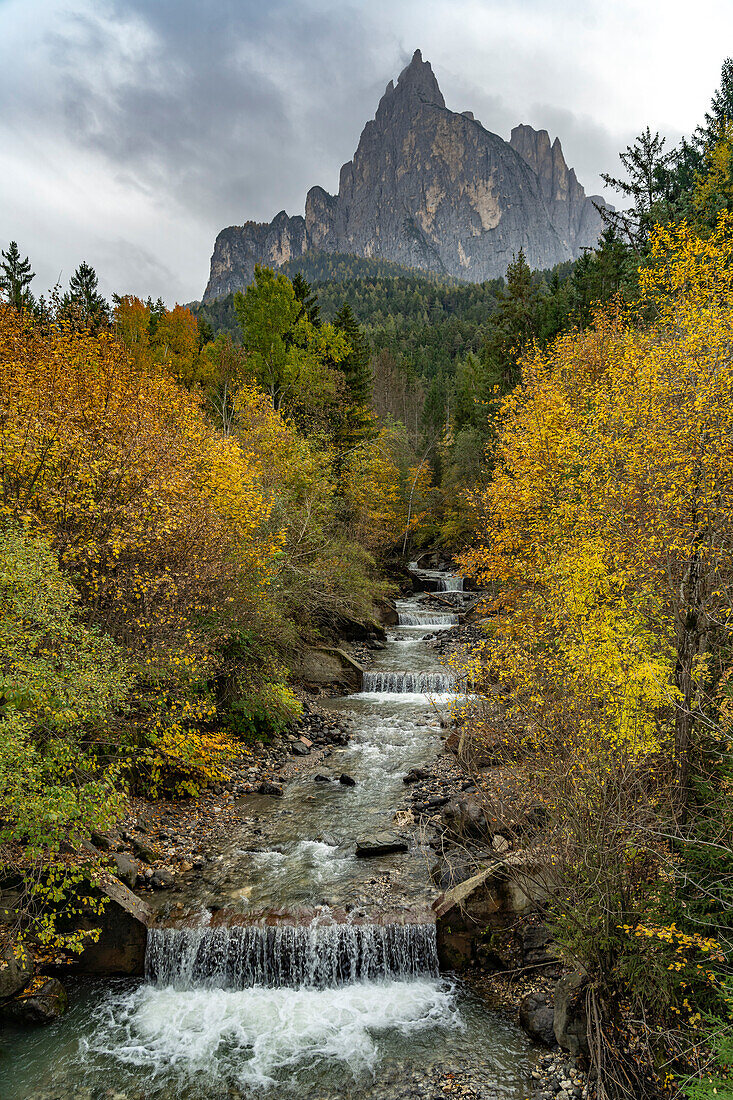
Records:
x=537, y=949
x=16, y=969
x=143, y=851
x=536, y=1016
x=126, y=869
x=464, y=815
x=347, y=780
x=162, y=879
x=570, y=1022
x=41, y=1005
x=383, y=844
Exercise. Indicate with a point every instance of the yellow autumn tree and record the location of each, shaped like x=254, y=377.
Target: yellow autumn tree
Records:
x=388, y=491
x=606, y=541
x=160, y=519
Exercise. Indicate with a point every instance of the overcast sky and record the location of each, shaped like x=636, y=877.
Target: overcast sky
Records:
x=132, y=131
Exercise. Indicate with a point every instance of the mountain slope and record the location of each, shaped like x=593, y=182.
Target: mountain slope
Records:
x=432, y=189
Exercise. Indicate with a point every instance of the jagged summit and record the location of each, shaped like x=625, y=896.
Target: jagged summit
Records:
x=430, y=188
x=419, y=78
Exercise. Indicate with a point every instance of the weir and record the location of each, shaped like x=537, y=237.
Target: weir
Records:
x=403, y=682
x=427, y=618
x=311, y=956
x=450, y=584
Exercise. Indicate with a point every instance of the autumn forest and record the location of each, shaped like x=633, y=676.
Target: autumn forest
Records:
x=192, y=498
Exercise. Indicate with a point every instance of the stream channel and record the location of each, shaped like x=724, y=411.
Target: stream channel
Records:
x=286, y=977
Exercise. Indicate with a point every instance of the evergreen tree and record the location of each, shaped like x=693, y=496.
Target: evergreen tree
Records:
x=358, y=416
x=83, y=303
x=648, y=170
x=514, y=324
x=304, y=294
x=15, y=278
x=720, y=114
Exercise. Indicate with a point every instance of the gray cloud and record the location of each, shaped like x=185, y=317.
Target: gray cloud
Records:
x=134, y=130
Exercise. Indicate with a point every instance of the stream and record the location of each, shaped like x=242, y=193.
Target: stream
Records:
x=285, y=974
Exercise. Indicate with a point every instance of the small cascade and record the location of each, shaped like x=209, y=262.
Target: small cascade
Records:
x=427, y=618
x=402, y=682
x=312, y=956
x=450, y=584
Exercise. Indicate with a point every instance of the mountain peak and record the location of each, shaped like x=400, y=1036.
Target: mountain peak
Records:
x=419, y=79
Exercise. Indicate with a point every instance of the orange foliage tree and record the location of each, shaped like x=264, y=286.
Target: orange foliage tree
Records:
x=160, y=519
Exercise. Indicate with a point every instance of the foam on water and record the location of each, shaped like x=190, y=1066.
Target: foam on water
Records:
x=256, y=1035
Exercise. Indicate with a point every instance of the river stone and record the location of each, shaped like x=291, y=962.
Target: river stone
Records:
x=536, y=1015
x=126, y=869
x=347, y=780
x=416, y=775
x=382, y=844
x=162, y=879
x=16, y=969
x=319, y=778
x=570, y=1019
x=43, y=1006
x=266, y=787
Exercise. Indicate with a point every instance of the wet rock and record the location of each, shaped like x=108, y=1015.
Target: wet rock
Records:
x=163, y=879
x=143, y=851
x=570, y=1018
x=416, y=775
x=267, y=787
x=103, y=841
x=320, y=778
x=536, y=1015
x=298, y=749
x=125, y=869
x=40, y=1005
x=383, y=844
x=536, y=941
x=16, y=969
x=123, y=922
x=347, y=780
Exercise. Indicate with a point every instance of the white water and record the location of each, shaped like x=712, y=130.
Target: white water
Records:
x=311, y=955
x=419, y=683
x=450, y=584
x=258, y=1035
x=427, y=618
x=315, y=1012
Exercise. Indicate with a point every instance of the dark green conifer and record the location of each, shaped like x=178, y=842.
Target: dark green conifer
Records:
x=83, y=303
x=15, y=278
x=357, y=423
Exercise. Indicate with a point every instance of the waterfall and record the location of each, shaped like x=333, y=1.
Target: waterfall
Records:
x=314, y=956
x=427, y=618
x=415, y=682
x=450, y=584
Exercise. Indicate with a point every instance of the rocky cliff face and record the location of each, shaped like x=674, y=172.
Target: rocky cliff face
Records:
x=432, y=189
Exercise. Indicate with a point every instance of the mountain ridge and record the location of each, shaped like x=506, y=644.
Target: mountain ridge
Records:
x=428, y=188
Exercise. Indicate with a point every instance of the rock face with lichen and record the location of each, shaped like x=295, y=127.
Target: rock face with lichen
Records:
x=431, y=189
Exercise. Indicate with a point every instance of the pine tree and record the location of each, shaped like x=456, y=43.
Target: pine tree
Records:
x=304, y=294
x=15, y=278
x=720, y=114
x=358, y=417
x=83, y=303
